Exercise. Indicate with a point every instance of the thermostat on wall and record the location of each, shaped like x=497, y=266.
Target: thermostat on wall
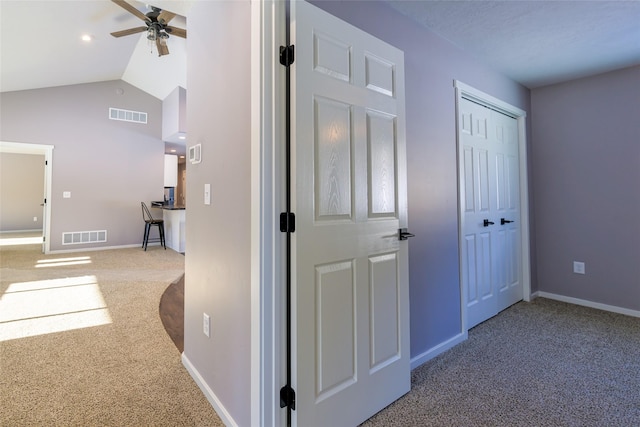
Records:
x=195, y=153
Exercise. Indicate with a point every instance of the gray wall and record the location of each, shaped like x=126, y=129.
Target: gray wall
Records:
x=431, y=66
x=108, y=166
x=21, y=191
x=587, y=174
x=218, y=247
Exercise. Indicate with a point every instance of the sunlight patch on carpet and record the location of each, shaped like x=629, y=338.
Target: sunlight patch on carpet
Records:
x=11, y=241
x=58, y=262
x=46, y=306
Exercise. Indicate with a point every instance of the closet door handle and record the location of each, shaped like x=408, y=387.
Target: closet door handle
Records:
x=504, y=221
x=487, y=223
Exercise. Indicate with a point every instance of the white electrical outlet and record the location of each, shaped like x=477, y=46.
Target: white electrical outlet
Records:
x=578, y=267
x=206, y=324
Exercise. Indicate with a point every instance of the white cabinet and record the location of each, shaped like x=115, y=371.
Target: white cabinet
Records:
x=174, y=225
x=170, y=170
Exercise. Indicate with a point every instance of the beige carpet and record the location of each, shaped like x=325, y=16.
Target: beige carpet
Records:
x=124, y=371
x=542, y=364
x=536, y=364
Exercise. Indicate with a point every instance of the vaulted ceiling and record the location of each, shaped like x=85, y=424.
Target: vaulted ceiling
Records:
x=533, y=42
x=41, y=46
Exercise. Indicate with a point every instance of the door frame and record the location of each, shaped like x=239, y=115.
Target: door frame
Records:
x=465, y=91
x=47, y=152
x=268, y=20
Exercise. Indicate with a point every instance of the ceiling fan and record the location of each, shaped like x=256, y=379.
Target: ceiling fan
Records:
x=157, y=27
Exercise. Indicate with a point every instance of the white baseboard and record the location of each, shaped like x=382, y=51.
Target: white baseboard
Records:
x=437, y=350
x=102, y=248
x=591, y=304
x=226, y=418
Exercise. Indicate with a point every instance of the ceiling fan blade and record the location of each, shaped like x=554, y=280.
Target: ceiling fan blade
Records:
x=128, y=32
x=123, y=4
x=165, y=16
x=162, y=48
x=175, y=31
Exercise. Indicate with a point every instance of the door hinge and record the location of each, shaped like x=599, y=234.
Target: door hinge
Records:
x=287, y=397
x=287, y=54
x=287, y=222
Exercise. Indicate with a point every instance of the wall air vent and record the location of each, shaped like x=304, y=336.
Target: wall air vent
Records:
x=83, y=237
x=127, y=115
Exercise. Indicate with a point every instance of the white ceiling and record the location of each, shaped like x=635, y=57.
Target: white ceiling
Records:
x=537, y=42
x=533, y=42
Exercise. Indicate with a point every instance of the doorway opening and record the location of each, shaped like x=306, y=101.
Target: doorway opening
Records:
x=42, y=154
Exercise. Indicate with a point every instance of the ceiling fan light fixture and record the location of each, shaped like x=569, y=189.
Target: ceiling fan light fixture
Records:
x=163, y=38
x=151, y=34
x=157, y=28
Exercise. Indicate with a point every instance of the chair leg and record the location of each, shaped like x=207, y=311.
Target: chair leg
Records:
x=146, y=234
x=147, y=231
x=162, y=241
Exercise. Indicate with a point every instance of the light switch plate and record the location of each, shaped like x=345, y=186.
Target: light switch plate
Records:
x=207, y=194
x=66, y=194
x=206, y=325
x=578, y=267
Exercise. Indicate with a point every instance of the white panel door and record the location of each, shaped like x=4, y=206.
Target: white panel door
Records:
x=351, y=300
x=490, y=258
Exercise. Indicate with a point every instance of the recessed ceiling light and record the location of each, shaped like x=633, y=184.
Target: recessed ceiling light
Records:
x=173, y=151
x=87, y=37
x=182, y=137
x=182, y=157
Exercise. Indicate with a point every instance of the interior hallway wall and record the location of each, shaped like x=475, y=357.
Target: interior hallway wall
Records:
x=218, y=246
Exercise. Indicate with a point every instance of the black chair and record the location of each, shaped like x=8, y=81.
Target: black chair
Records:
x=149, y=220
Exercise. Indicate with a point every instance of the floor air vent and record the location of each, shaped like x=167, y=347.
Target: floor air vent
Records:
x=127, y=115
x=82, y=237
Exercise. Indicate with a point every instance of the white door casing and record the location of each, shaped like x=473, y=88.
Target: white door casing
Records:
x=350, y=291
x=494, y=256
x=45, y=208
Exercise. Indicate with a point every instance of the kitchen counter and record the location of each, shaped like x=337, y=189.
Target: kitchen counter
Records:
x=174, y=226
x=172, y=207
